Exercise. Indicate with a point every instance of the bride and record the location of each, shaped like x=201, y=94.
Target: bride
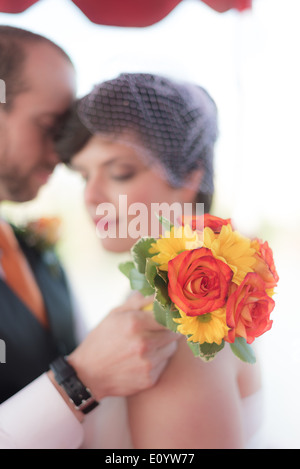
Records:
x=152, y=139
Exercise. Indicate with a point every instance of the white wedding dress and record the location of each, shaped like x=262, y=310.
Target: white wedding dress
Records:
x=107, y=427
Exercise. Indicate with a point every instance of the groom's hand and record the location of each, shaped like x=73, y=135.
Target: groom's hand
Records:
x=125, y=353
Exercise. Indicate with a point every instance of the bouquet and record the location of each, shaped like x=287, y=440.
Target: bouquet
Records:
x=212, y=284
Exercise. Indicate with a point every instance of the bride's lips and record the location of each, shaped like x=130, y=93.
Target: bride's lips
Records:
x=103, y=223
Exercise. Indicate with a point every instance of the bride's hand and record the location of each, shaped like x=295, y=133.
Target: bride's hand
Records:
x=126, y=352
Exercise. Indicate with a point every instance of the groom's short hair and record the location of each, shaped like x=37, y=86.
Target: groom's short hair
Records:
x=14, y=45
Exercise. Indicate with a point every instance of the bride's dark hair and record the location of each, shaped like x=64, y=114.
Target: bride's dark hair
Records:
x=174, y=122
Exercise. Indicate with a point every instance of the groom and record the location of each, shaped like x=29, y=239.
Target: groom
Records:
x=48, y=383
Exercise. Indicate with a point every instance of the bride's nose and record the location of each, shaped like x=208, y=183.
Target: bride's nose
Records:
x=94, y=193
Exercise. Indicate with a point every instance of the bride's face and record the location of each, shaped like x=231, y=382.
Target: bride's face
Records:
x=121, y=188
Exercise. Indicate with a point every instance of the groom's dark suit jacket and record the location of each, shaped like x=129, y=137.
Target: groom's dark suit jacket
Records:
x=29, y=346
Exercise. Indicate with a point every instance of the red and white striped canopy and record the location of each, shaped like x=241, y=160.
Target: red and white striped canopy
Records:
x=127, y=13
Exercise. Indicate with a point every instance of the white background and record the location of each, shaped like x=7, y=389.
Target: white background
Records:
x=249, y=62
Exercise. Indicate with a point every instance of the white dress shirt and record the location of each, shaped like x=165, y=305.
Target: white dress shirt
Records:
x=37, y=417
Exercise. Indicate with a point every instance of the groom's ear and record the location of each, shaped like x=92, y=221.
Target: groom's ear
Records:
x=191, y=187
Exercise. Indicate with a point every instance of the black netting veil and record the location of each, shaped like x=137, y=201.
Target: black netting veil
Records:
x=176, y=123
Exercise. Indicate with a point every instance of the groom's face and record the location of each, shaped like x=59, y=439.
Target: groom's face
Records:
x=27, y=129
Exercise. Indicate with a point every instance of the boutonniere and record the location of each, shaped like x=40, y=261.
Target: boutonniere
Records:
x=42, y=235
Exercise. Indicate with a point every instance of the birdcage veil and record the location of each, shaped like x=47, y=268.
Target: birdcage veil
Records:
x=175, y=122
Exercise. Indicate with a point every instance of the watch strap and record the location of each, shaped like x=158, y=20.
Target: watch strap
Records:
x=66, y=377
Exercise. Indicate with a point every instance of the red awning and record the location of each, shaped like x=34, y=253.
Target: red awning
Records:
x=127, y=13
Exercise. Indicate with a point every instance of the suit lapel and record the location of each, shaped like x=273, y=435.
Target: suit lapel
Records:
x=53, y=286
x=52, y=283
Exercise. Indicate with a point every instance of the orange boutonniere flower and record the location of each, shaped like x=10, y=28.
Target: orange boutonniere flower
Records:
x=41, y=234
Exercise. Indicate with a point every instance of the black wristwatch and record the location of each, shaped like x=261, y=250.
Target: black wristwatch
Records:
x=66, y=377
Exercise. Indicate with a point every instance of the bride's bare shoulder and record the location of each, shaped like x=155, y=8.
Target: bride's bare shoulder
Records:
x=194, y=405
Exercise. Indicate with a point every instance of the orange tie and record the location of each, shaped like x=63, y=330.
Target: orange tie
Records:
x=18, y=275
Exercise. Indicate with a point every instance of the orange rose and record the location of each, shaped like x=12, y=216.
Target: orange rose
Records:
x=248, y=309
x=264, y=265
x=198, y=283
x=205, y=221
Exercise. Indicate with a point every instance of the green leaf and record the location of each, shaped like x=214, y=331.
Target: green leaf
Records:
x=160, y=313
x=194, y=348
x=164, y=222
x=172, y=313
x=163, y=274
x=139, y=282
x=140, y=252
x=165, y=315
x=151, y=271
x=208, y=351
x=243, y=350
x=161, y=291
x=126, y=267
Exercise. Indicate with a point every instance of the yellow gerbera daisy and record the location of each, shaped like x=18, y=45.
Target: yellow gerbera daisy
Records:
x=173, y=242
x=233, y=249
x=210, y=327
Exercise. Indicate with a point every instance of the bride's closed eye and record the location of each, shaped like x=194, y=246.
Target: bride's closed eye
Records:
x=121, y=172
x=123, y=176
